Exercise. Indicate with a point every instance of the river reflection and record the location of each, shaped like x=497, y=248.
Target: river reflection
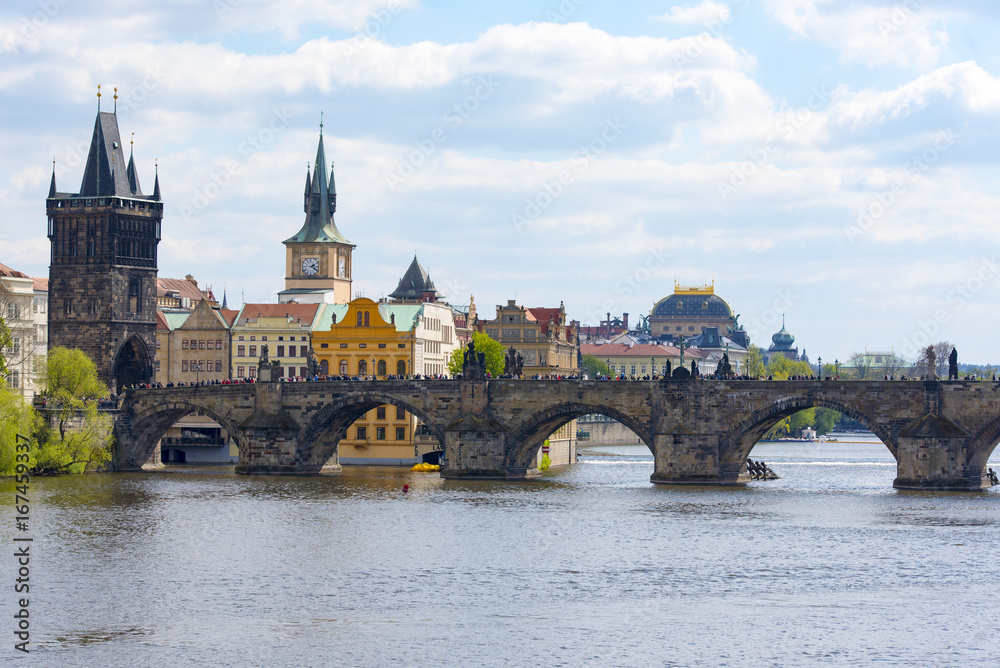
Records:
x=591, y=564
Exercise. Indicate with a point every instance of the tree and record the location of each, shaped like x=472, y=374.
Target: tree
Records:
x=933, y=360
x=755, y=362
x=17, y=422
x=73, y=387
x=484, y=344
x=594, y=367
x=782, y=368
x=862, y=363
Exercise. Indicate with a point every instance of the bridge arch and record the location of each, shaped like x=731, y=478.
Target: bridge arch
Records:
x=338, y=415
x=736, y=444
x=150, y=422
x=982, y=444
x=525, y=439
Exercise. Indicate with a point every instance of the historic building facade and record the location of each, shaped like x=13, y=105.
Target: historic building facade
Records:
x=318, y=258
x=192, y=346
x=22, y=309
x=102, y=274
x=546, y=342
x=689, y=311
x=286, y=331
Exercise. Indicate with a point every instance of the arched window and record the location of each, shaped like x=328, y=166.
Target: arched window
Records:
x=324, y=368
x=360, y=318
x=363, y=368
x=381, y=367
x=343, y=368
x=366, y=318
x=401, y=368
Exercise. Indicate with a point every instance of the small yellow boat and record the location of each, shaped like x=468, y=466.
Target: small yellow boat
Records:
x=425, y=467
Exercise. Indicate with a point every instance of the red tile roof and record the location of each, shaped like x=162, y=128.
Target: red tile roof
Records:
x=304, y=313
x=11, y=273
x=40, y=284
x=182, y=286
x=229, y=315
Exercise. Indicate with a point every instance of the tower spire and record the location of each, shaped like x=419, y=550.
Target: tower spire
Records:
x=156, y=184
x=52, y=185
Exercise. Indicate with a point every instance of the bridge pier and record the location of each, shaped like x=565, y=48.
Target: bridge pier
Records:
x=933, y=453
x=684, y=458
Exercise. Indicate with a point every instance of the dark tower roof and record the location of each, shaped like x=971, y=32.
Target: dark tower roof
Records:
x=415, y=285
x=320, y=202
x=106, y=173
x=156, y=185
x=52, y=185
x=783, y=339
x=133, y=177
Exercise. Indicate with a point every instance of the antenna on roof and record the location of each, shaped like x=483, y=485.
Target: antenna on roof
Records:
x=98, y=98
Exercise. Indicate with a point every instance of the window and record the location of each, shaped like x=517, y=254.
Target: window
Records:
x=156, y=365
x=67, y=307
x=241, y=337
x=280, y=351
x=253, y=351
x=281, y=372
x=303, y=351
x=218, y=344
x=343, y=367
x=241, y=351
x=362, y=433
x=184, y=365
x=135, y=295
x=360, y=319
x=380, y=413
x=343, y=345
x=184, y=344
x=303, y=371
x=362, y=368
x=14, y=379
x=380, y=433
x=400, y=413
x=401, y=368
x=400, y=433
x=324, y=368
x=643, y=369
x=92, y=307
x=263, y=338
x=218, y=365
x=324, y=345
x=252, y=371
x=400, y=345
x=366, y=318
x=253, y=338
x=240, y=371
x=201, y=345
x=691, y=328
x=281, y=338
x=381, y=345
x=362, y=345
x=381, y=368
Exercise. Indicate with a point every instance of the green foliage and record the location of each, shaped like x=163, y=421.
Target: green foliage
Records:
x=820, y=419
x=755, y=362
x=782, y=368
x=593, y=367
x=546, y=460
x=484, y=344
x=6, y=343
x=70, y=373
x=17, y=417
x=79, y=449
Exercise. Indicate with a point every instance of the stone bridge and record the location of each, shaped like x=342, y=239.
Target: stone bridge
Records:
x=700, y=431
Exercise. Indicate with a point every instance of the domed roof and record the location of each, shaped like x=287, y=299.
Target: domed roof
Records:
x=783, y=339
x=692, y=305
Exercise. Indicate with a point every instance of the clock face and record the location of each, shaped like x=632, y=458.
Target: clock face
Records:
x=341, y=267
x=310, y=266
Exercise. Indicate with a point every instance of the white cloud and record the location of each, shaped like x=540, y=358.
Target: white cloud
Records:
x=702, y=14
x=904, y=34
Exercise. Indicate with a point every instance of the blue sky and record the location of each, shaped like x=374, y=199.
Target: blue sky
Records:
x=832, y=161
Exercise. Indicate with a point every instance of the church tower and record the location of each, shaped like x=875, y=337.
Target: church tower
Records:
x=318, y=257
x=102, y=272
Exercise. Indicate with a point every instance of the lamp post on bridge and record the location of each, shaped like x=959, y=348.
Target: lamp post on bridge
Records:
x=820, y=374
x=836, y=367
x=607, y=363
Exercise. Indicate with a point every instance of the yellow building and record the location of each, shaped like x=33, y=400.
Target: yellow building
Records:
x=284, y=328
x=353, y=340
x=546, y=342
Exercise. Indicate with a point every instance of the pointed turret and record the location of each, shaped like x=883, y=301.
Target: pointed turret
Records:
x=333, y=192
x=319, y=225
x=224, y=299
x=100, y=178
x=416, y=285
x=133, y=177
x=307, y=192
x=156, y=185
x=52, y=184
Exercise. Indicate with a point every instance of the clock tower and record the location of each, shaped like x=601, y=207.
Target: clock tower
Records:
x=318, y=257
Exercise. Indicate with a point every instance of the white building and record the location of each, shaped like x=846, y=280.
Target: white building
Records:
x=24, y=306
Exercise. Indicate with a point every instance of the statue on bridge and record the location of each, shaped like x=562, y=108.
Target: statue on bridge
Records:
x=724, y=369
x=474, y=364
x=953, y=365
x=513, y=363
x=267, y=370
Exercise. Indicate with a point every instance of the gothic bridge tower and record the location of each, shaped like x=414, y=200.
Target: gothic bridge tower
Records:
x=318, y=258
x=102, y=276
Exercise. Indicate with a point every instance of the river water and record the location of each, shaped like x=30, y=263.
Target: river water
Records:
x=593, y=565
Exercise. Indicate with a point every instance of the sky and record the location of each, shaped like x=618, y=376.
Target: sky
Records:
x=830, y=162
